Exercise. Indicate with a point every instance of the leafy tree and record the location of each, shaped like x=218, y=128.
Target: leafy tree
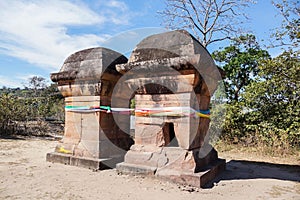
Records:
x=240, y=61
x=37, y=83
x=12, y=110
x=5, y=111
x=274, y=99
x=210, y=20
x=52, y=104
x=25, y=110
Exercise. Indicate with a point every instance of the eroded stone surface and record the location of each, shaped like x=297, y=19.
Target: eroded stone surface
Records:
x=87, y=78
x=171, y=70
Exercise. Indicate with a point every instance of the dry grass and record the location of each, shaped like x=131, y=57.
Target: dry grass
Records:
x=259, y=153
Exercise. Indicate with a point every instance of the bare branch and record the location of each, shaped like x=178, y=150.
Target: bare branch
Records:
x=210, y=20
x=192, y=19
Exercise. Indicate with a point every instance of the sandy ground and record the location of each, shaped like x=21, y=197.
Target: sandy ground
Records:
x=24, y=174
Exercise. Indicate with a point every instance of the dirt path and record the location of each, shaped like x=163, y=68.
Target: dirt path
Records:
x=24, y=174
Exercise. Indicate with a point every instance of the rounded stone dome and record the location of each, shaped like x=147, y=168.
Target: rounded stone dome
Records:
x=167, y=45
x=89, y=64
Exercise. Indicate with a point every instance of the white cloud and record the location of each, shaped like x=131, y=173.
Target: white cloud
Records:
x=8, y=82
x=117, y=4
x=118, y=12
x=37, y=30
x=20, y=80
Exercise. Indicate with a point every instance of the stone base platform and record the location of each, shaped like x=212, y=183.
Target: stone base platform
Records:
x=199, y=179
x=126, y=168
x=90, y=163
x=174, y=164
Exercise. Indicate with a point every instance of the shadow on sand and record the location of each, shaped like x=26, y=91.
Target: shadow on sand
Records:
x=242, y=169
x=11, y=137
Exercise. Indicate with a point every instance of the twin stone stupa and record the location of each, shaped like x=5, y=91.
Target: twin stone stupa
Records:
x=166, y=85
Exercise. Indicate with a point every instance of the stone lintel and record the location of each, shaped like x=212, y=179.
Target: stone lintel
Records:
x=177, y=63
x=82, y=99
x=63, y=76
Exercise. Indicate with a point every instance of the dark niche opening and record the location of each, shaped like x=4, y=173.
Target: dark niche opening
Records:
x=169, y=135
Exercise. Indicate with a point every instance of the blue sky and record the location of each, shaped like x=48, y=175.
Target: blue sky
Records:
x=37, y=35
